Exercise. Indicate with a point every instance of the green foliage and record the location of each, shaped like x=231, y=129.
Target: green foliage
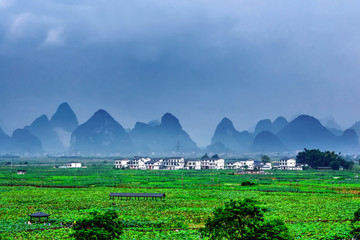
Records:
x=315, y=207
x=265, y=159
x=316, y=158
x=243, y=220
x=355, y=225
x=247, y=183
x=100, y=226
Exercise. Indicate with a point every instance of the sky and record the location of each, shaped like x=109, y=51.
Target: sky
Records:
x=197, y=59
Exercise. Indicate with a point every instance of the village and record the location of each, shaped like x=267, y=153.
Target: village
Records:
x=214, y=162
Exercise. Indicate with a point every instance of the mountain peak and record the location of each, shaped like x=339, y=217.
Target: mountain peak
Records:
x=279, y=124
x=263, y=125
x=102, y=113
x=306, y=118
x=100, y=134
x=226, y=124
x=64, y=118
x=40, y=121
x=169, y=121
x=307, y=131
x=102, y=117
x=226, y=134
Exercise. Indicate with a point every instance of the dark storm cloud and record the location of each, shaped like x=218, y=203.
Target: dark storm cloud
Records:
x=200, y=60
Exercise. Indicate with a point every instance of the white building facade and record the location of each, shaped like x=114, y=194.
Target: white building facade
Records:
x=73, y=165
x=289, y=164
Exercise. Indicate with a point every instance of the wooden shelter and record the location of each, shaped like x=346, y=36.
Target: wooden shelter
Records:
x=39, y=216
x=128, y=196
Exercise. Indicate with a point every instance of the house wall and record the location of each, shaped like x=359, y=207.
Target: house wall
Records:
x=73, y=165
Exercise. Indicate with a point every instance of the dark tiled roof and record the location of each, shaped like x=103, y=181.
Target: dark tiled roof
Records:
x=212, y=159
x=192, y=160
x=169, y=158
x=137, y=195
x=237, y=160
x=151, y=162
x=138, y=157
x=39, y=214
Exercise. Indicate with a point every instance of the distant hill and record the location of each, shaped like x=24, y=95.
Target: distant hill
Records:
x=348, y=142
x=356, y=128
x=279, y=124
x=43, y=130
x=267, y=142
x=232, y=139
x=273, y=127
x=263, y=125
x=22, y=141
x=64, y=118
x=166, y=137
x=218, y=147
x=307, y=132
x=55, y=134
x=4, y=142
x=101, y=134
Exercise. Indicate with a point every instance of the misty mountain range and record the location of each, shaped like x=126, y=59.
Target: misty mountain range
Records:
x=103, y=135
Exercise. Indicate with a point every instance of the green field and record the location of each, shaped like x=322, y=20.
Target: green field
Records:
x=314, y=204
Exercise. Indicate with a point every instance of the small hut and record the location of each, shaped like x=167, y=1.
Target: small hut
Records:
x=39, y=216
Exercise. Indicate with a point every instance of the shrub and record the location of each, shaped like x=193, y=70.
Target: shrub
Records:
x=100, y=226
x=247, y=183
x=243, y=220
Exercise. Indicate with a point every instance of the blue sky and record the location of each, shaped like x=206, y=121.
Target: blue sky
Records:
x=200, y=60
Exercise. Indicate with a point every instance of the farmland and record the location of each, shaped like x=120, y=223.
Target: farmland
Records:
x=314, y=204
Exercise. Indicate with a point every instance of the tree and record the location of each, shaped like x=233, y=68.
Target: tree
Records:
x=265, y=159
x=243, y=219
x=100, y=226
x=316, y=158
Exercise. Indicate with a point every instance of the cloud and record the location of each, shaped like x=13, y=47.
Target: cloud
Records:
x=54, y=37
x=19, y=25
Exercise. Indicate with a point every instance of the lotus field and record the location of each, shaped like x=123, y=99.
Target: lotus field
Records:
x=313, y=204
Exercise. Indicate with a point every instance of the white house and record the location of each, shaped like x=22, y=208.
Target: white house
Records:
x=73, y=165
x=289, y=164
x=266, y=166
x=154, y=164
x=139, y=163
x=194, y=164
x=212, y=163
x=173, y=163
x=242, y=164
x=122, y=163
x=262, y=166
